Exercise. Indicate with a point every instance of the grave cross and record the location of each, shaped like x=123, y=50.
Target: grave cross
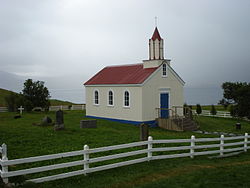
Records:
x=21, y=109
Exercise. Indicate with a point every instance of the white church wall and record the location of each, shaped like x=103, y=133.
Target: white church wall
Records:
x=151, y=49
x=151, y=93
x=157, y=49
x=161, y=49
x=152, y=63
x=117, y=111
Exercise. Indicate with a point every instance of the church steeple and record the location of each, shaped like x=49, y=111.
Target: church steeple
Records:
x=156, y=46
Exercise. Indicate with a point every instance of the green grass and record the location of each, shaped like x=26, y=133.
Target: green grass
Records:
x=25, y=140
x=4, y=93
x=222, y=124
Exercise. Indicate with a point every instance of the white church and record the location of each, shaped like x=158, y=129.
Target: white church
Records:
x=132, y=93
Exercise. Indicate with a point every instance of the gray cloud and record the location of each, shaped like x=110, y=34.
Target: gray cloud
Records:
x=208, y=41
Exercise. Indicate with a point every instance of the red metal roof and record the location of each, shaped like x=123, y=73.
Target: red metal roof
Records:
x=156, y=35
x=124, y=74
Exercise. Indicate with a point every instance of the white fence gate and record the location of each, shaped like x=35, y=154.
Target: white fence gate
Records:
x=151, y=152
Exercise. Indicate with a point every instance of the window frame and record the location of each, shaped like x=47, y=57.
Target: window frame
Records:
x=108, y=98
x=98, y=97
x=164, y=70
x=124, y=99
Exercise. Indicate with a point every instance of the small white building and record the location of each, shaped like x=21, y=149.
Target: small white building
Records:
x=131, y=93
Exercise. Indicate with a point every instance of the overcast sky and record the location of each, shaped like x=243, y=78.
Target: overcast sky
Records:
x=68, y=41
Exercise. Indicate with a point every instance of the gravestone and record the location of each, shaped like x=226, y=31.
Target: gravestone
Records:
x=88, y=123
x=21, y=109
x=59, y=125
x=143, y=132
x=17, y=116
x=46, y=121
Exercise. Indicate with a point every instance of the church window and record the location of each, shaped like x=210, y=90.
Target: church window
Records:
x=96, y=97
x=110, y=98
x=164, y=70
x=126, y=99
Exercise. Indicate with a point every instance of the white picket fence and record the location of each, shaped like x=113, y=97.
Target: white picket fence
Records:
x=66, y=107
x=191, y=150
x=223, y=114
x=3, y=109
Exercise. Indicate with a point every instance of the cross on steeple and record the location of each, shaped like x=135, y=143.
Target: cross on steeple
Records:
x=155, y=21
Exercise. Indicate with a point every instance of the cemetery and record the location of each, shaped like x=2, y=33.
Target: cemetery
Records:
x=24, y=141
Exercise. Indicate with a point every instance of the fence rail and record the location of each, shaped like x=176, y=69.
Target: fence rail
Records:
x=3, y=109
x=224, y=145
x=68, y=107
x=223, y=114
x=55, y=108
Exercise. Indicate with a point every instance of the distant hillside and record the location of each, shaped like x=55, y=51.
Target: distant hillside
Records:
x=53, y=102
x=3, y=94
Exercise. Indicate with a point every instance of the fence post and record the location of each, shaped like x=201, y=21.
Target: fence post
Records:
x=245, y=142
x=86, y=158
x=4, y=158
x=221, y=144
x=61, y=107
x=192, y=146
x=72, y=107
x=150, y=146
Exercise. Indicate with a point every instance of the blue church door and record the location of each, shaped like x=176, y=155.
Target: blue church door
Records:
x=164, y=104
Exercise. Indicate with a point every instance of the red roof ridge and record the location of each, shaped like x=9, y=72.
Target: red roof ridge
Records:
x=156, y=35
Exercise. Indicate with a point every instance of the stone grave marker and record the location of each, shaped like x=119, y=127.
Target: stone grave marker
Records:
x=88, y=123
x=143, y=132
x=21, y=110
x=46, y=121
x=59, y=125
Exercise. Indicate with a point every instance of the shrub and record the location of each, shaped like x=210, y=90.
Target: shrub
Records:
x=198, y=109
x=13, y=101
x=185, y=109
x=233, y=110
x=213, y=110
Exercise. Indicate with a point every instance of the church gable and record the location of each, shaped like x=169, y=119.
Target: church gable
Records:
x=164, y=72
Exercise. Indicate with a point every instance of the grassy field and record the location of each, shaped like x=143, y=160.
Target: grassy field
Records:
x=222, y=124
x=25, y=140
x=3, y=93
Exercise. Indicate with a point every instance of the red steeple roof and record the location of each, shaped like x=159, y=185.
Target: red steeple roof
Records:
x=123, y=74
x=156, y=35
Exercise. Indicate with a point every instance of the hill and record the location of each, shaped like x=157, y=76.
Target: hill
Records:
x=53, y=102
x=3, y=94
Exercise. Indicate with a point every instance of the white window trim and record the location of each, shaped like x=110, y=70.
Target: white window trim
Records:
x=108, y=98
x=166, y=70
x=94, y=97
x=129, y=99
